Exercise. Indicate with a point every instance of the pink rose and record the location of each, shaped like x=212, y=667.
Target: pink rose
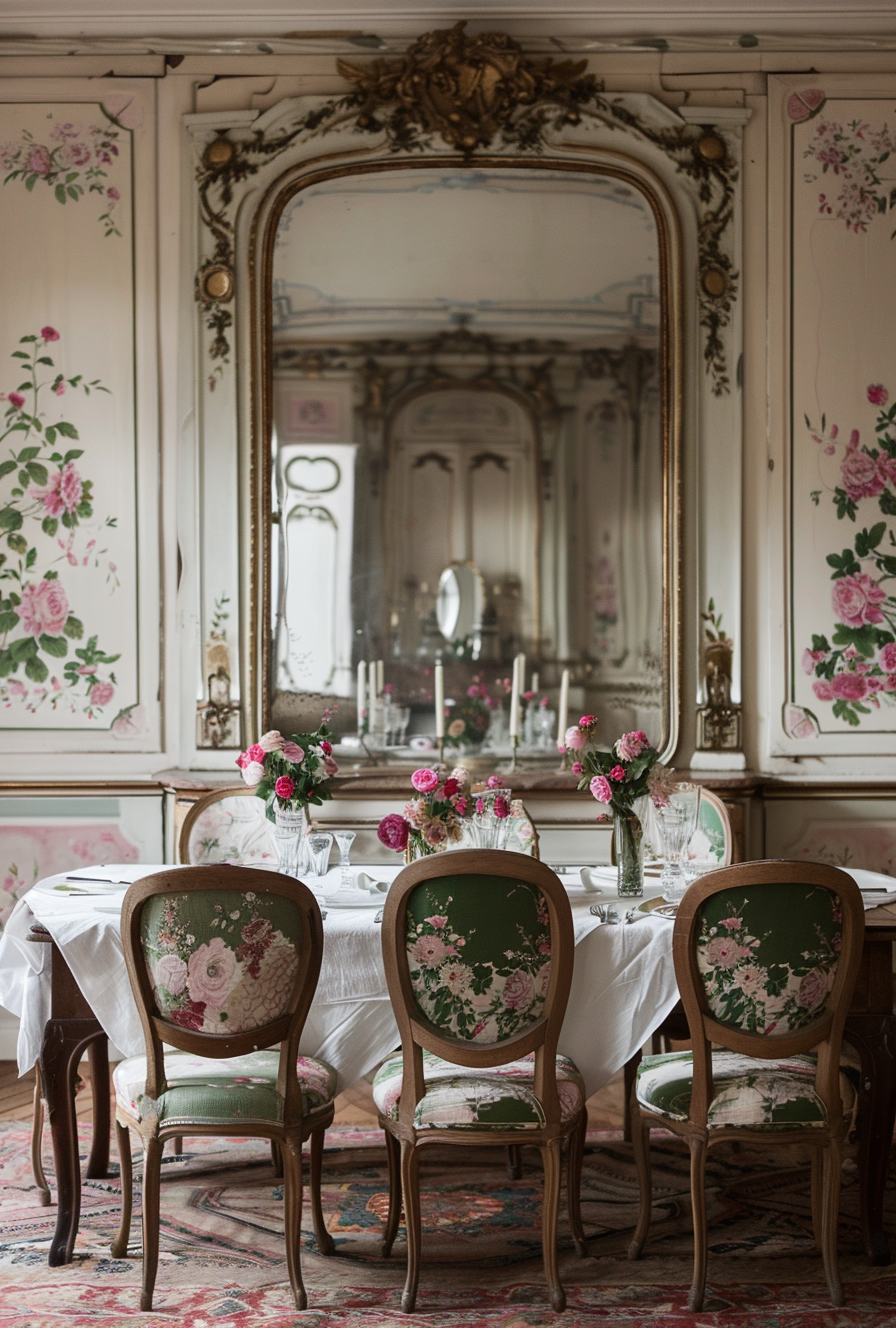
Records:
x=435, y=832
x=430, y=951
x=577, y=768
x=292, y=752
x=49, y=333
x=856, y=599
x=15, y=399
x=330, y=766
x=44, y=608
x=519, y=991
x=460, y=806
x=588, y=722
x=76, y=154
x=723, y=952
x=438, y=920
x=888, y=658
x=493, y=782
x=393, y=832
x=811, y=658
x=861, y=475
x=256, y=753
x=39, y=161
x=574, y=739
x=326, y=748
x=823, y=689
x=631, y=745
x=502, y=808
x=270, y=742
x=253, y=773
x=850, y=686
x=878, y=394
x=63, y=493
x=601, y=789
x=59, y=388
x=171, y=973
x=617, y=773
x=813, y=989
x=113, y=193
x=212, y=972
x=285, y=787
x=101, y=693
x=425, y=780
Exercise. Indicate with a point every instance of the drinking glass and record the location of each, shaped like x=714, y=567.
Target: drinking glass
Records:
x=318, y=846
x=678, y=821
x=344, y=840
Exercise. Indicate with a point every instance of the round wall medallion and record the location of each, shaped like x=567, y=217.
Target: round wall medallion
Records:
x=216, y=284
x=711, y=147
x=219, y=154
x=714, y=282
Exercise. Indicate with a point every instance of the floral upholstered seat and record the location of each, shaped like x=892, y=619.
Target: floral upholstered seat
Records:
x=240, y=1089
x=459, y=1098
x=758, y=1095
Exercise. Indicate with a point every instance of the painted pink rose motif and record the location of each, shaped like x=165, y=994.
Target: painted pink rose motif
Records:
x=39, y=160
x=170, y=972
x=49, y=334
x=429, y=952
x=878, y=394
x=861, y=474
x=519, y=991
x=813, y=989
x=856, y=599
x=888, y=658
x=212, y=973
x=76, y=154
x=44, y=608
x=823, y=689
x=101, y=693
x=15, y=399
x=723, y=952
x=849, y=687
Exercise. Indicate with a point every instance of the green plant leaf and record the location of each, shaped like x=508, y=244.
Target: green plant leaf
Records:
x=49, y=525
x=73, y=453
x=7, y=664
x=8, y=621
x=67, y=430
x=37, y=472
x=7, y=467
x=57, y=646
x=17, y=543
x=36, y=670
x=27, y=454
x=59, y=191
x=23, y=647
x=10, y=519
x=74, y=628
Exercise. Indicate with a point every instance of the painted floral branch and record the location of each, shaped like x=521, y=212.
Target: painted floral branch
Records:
x=47, y=491
x=856, y=668
x=72, y=163
x=855, y=154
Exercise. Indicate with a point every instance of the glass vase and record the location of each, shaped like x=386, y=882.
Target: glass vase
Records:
x=487, y=829
x=629, y=839
x=418, y=847
x=289, y=831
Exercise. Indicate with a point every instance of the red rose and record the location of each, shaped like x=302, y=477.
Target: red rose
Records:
x=450, y=787
x=393, y=832
x=285, y=787
x=326, y=748
x=617, y=773
x=502, y=808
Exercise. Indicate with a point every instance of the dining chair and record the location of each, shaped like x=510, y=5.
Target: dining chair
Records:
x=228, y=826
x=223, y=964
x=478, y=948
x=766, y=957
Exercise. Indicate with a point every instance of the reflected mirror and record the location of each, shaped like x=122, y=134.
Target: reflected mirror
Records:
x=469, y=450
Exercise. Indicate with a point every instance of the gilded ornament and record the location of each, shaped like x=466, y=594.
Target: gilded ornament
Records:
x=219, y=154
x=714, y=282
x=712, y=148
x=216, y=284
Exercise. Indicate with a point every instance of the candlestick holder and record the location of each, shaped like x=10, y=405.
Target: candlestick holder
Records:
x=441, y=751
x=514, y=744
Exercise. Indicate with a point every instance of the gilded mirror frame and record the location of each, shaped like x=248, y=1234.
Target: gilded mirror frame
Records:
x=635, y=139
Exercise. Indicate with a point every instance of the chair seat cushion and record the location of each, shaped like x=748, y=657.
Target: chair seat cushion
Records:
x=460, y=1098
x=236, y=1089
x=755, y=1094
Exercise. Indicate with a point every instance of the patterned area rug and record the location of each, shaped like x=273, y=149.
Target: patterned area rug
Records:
x=222, y=1257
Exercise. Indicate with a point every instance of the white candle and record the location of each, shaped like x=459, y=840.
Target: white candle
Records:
x=534, y=683
x=439, y=697
x=362, y=694
x=562, y=708
x=380, y=677
x=371, y=696
x=514, y=726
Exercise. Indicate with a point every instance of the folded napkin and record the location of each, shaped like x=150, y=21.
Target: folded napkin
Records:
x=370, y=884
x=876, y=888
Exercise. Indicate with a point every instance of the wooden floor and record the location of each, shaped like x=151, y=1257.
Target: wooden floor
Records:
x=354, y=1107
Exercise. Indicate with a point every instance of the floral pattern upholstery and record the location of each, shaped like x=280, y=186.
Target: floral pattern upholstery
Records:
x=222, y=961
x=235, y=830
x=457, y=1097
x=479, y=974
x=236, y=1089
x=768, y=955
x=755, y=1094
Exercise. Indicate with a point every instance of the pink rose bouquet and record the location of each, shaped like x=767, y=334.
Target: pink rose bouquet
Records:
x=289, y=773
x=469, y=718
x=432, y=819
x=617, y=778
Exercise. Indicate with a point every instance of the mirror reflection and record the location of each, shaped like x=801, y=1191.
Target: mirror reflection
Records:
x=467, y=439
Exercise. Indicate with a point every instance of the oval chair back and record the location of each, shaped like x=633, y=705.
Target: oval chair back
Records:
x=228, y=826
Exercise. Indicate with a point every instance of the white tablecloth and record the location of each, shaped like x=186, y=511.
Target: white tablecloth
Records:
x=623, y=984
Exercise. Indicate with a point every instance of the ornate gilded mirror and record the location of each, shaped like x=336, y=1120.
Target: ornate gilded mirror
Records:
x=470, y=315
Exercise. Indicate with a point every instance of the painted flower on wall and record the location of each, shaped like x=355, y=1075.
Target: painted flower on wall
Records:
x=852, y=155
x=74, y=162
x=41, y=513
x=855, y=670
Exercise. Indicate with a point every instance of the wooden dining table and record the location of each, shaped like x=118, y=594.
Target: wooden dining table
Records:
x=72, y=1028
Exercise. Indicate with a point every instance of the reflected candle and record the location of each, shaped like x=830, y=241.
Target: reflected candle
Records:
x=439, y=697
x=562, y=708
x=362, y=693
x=514, y=725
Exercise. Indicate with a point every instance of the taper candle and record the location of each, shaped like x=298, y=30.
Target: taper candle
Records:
x=362, y=694
x=514, y=726
x=562, y=708
x=439, y=697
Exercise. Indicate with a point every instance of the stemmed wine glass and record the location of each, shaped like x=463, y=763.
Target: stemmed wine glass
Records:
x=678, y=821
x=344, y=840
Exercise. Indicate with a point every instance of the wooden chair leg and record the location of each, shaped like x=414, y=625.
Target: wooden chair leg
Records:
x=177, y=1145
x=123, y=1140
x=410, y=1188
x=641, y=1149
x=817, y=1193
x=630, y=1070
x=514, y=1162
x=152, y=1165
x=698, y=1213
x=393, y=1157
x=37, y=1134
x=277, y=1159
x=830, y=1216
x=575, y=1157
x=550, y=1156
x=325, y=1243
x=292, y=1218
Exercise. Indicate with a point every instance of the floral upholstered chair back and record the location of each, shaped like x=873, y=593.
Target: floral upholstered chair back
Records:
x=479, y=955
x=767, y=948
x=228, y=826
x=219, y=961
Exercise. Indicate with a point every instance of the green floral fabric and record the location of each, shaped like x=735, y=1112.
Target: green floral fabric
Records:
x=221, y=961
x=236, y=1089
x=479, y=952
x=458, y=1098
x=768, y=955
x=755, y=1094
